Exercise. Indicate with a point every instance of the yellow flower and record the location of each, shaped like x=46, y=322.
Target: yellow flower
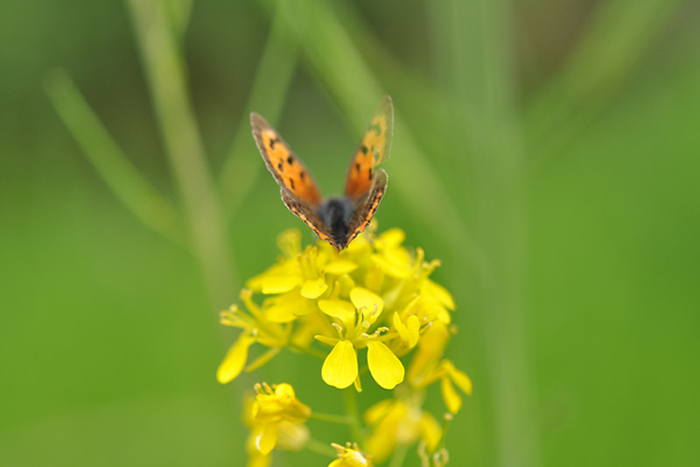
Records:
x=427, y=367
x=350, y=456
x=256, y=328
x=399, y=422
x=353, y=320
x=376, y=294
x=276, y=417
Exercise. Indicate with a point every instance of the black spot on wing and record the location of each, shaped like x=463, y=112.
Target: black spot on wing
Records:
x=302, y=175
x=291, y=183
x=280, y=167
x=290, y=159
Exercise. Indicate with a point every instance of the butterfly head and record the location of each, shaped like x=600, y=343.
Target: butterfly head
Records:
x=336, y=213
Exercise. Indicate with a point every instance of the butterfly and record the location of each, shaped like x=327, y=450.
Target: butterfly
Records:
x=337, y=220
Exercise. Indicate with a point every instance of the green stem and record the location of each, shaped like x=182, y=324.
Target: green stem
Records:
x=445, y=427
x=617, y=37
x=481, y=53
x=165, y=70
x=115, y=168
x=308, y=350
x=353, y=414
x=267, y=97
x=399, y=455
x=331, y=418
x=319, y=447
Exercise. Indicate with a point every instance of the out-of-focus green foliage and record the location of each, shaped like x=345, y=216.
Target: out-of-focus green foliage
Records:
x=547, y=152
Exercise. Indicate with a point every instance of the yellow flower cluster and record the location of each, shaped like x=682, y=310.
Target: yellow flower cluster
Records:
x=350, y=456
x=276, y=419
x=375, y=295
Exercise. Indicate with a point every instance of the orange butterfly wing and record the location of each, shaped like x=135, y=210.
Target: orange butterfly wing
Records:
x=283, y=164
x=373, y=148
x=367, y=205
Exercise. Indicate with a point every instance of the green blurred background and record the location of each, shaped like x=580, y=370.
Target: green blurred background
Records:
x=546, y=151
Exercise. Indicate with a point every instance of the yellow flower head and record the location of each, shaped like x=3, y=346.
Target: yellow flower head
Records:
x=256, y=328
x=399, y=422
x=276, y=417
x=374, y=295
x=427, y=367
x=350, y=456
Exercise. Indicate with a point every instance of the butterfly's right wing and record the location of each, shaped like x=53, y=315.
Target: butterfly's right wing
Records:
x=367, y=205
x=373, y=149
x=289, y=171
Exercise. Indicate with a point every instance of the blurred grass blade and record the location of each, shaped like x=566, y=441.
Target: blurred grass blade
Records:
x=165, y=70
x=345, y=74
x=427, y=102
x=477, y=63
x=267, y=97
x=179, y=12
x=618, y=36
x=153, y=209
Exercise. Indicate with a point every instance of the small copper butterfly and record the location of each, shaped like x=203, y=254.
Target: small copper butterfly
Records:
x=337, y=220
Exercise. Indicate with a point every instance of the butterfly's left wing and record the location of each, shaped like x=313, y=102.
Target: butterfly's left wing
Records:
x=289, y=171
x=308, y=214
x=367, y=205
x=373, y=148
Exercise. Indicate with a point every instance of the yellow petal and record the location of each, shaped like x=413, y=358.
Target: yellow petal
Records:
x=362, y=297
x=344, y=285
x=340, y=267
x=235, y=359
x=459, y=377
x=313, y=289
x=377, y=412
x=341, y=309
x=267, y=438
x=391, y=266
x=409, y=334
x=392, y=237
x=385, y=367
x=292, y=436
x=279, y=283
x=374, y=279
x=449, y=394
x=413, y=331
x=286, y=308
x=430, y=431
x=289, y=242
x=340, y=368
x=445, y=317
x=400, y=327
x=439, y=292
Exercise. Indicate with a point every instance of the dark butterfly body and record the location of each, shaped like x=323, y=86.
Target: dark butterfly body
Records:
x=337, y=220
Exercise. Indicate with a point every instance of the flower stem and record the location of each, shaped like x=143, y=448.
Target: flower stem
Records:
x=319, y=447
x=113, y=165
x=353, y=414
x=308, y=350
x=167, y=78
x=399, y=455
x=342, y=419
